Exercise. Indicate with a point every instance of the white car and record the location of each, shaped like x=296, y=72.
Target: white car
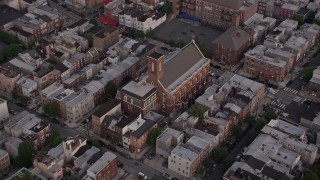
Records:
x=143, y=175
x=272, y=91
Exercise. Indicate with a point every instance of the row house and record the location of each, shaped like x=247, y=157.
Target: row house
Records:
x=105, y=38
x=135, y=134
x=228, y=48
x=186, y=158
x=39, y=23
x=81, y=26
x=80, y=60
x=184, y=81
x=140, y=20
x=48, y=166
x=97, y=89
x=4, y=160
x=269, y=63
x=108, y=109
x=4, y=111
x=168, y=139
x=78, y=105
x=29, y=127
x=221, y=14
x=62, y=72
x=314, y=83
x=44, y=77
x=75, y=81
x=138, y=97
x=258, y=27
x=234, y=95
x=276, y=153
x=105, y=168
x=9, y=75
x=27, y=87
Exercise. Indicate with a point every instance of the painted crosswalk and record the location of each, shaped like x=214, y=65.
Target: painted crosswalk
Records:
x=293, y=91
x=298, y=99
x=278, y=104
x=82, y=129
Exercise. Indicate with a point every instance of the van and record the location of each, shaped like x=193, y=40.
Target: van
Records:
x=143, y=175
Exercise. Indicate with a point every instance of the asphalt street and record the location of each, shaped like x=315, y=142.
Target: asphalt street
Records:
x=132, y=166
x=219, y=171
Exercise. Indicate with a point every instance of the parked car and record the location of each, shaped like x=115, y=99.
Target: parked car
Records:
x=102, y=144
x=151, y=156
x=167, y=176
x=143, y=175
x=119, y=164
x=111, y=148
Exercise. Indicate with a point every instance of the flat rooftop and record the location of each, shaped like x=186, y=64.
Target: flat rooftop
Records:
x=4, y=11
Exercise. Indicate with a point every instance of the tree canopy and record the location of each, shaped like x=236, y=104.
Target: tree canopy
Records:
x=250, y=120
x=219, y=153
x=197, y=110
x=270, y=114
x=236, y=130
x=26, y=154
x=52, y=109
x=111, y=91
x=153, y=135
x=54, y=139
x=310, y=176
x=308, y=71
x=95, y=143
x=167, y=7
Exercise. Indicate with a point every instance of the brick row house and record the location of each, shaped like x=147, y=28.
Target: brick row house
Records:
x=221, y=14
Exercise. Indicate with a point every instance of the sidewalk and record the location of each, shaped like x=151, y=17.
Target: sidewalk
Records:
x=156, y=163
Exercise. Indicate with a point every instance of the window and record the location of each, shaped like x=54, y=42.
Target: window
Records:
x=152, y=66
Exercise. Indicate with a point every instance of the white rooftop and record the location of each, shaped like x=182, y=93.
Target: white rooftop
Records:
x=141, y=88
x=26, y=82
x=184, y=153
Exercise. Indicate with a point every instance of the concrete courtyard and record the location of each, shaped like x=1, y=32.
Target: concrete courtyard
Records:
x=185, y=30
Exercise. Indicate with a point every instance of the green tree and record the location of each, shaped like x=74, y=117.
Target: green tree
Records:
x=219, y=153
x=261, y=122
x=14, y=94
x=153, y=135
x=26, y=154
x=52, y=109
x=54, y=139
x=204, y=50
x=308, y=72
x=167, y=7
x=111, y=90
x=89, y=36
x=197, y=110
x=236, y=130
x=94, y=21
x=250, y=120
x=270, y=114
x=138, y=34
x=24, y=100
x=310, y=176
x=8, y=38
x=252, y=134
x=150, y=33
x=95, y=143
x=316, y=21
x=208, y=163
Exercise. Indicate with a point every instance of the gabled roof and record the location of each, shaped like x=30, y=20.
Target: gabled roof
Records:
x=234, y=38
x=180, y=63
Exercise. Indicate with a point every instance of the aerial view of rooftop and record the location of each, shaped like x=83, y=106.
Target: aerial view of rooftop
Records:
x=159, y=89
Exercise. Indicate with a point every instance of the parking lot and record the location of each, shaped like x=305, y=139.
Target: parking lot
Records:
x=185, y=29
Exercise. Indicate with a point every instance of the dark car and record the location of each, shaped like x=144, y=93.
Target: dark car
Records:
x=111, y=148
x=217, y=67
x=151, y=156
x=119, y=164
x=102, y=143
